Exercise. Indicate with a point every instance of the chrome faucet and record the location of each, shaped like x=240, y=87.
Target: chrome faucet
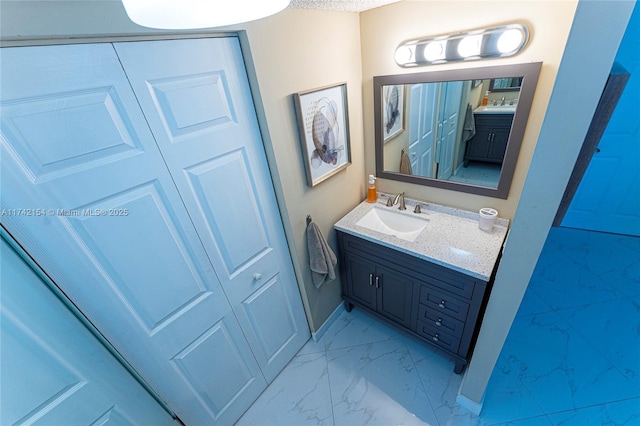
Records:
x=400, y=197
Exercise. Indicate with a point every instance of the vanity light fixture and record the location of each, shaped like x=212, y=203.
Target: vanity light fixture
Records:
x=195, y=14
x=497, y=42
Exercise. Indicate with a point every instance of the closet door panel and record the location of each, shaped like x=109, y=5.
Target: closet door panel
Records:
x=196, y=97
x=53, y=370
x=89, y=196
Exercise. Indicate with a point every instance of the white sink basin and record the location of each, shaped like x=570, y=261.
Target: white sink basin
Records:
x=391, y=222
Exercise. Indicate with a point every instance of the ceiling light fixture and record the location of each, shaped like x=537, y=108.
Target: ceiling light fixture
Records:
x=195, y=14
x=497, y=42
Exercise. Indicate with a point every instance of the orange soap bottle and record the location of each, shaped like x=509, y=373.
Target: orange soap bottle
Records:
x=485, y=100
x=372, y=195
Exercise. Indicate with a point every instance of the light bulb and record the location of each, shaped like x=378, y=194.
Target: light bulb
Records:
x=510, y=40
x=470, y=46
x=435, y=50
x=404, y=55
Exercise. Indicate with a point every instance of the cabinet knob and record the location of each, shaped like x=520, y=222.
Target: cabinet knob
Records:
x=439, y=322
x=257, y=276
x=436, y=337
x=442, y=304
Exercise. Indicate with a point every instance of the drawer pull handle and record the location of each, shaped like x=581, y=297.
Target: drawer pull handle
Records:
x=436, y=337
x=439, y=322
x=442, y=304
x=377, y=282
x=371, y=279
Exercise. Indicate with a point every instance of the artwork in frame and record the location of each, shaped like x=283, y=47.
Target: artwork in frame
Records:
x=393, y=111
x=323, y=123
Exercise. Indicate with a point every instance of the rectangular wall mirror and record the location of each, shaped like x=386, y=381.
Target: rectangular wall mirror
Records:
x=431, y=128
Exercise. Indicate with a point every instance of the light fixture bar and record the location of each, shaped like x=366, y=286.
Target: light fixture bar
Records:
x=497, y=42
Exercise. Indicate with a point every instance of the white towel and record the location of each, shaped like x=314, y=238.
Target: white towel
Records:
x=322, y=260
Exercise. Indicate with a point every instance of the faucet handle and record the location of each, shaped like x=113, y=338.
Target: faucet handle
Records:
x=417, y=209
x=389, y=201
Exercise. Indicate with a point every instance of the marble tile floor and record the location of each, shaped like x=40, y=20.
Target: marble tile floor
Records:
x=478, y=173
x=572, y=356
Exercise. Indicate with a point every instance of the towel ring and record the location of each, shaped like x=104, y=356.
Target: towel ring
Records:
x=308, y=219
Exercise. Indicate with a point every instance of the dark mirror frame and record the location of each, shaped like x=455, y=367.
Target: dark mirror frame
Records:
x=530, y=73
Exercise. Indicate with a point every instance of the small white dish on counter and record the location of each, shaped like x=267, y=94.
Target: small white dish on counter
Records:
x=450, y=237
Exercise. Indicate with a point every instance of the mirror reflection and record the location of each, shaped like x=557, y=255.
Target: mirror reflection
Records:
x=459, y=130
x=454, y=131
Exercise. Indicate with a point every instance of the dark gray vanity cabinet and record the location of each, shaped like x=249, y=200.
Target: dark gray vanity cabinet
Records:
x=490, y=141
x=436, y=304
x=379, y=288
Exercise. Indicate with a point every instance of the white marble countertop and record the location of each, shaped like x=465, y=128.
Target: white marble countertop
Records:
x=451, y=238
x=490, y=109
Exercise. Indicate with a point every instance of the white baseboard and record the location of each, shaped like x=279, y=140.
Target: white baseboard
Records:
x=324, y=327
x=469, y=405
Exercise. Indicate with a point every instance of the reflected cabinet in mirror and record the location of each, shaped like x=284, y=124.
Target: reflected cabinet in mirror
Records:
x=459, y=129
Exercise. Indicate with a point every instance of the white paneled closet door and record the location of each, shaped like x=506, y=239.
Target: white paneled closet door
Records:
x=92, y=200
x=53, y=371
x=199, y=106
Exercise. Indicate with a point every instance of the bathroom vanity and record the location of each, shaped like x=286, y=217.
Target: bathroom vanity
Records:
x=489, y=144
x=432, y=279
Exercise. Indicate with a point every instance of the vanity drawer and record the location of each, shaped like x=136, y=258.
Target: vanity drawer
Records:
x=440, y=302
x=440, y=321
x=438, y=337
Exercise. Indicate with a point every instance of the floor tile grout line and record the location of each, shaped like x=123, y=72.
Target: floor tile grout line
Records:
x=326, y=363
x=424, y=386
x=586, y=407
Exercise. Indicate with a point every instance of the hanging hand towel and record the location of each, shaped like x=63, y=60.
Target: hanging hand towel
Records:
x=469, y=128
x=322, y=260
x=405, y=163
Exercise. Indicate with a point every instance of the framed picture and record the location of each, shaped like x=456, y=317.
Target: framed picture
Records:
x=323, y=124
x=392, y=111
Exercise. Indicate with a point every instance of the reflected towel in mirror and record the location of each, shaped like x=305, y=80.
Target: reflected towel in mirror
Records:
x=405, y=163
x=469, y=128
x=322, y=260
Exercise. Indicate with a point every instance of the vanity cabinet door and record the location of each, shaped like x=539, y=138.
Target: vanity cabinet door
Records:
x=384, y=290
x=394, y=295
x=360, y=280
x=498, y=144
x=490, y=141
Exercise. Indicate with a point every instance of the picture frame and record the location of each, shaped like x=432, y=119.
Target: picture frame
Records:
x=392, y=111
x=323, y=124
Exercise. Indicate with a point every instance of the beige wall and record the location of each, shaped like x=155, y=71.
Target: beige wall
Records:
x=382, y=29
x=293, y=51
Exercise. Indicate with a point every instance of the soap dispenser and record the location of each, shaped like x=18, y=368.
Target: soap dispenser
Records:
x=485, y=100
x=372, y=195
